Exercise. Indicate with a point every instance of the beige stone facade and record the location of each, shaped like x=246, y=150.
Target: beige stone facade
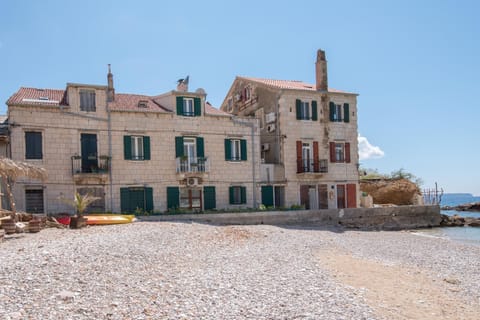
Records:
x=131, y=150
x=308, y=137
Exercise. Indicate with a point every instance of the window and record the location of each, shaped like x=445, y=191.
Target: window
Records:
x=136, y=198
x=339, y=113
x=34, y=201
x=189, y=107
x=87, y=100
x=247, y=93
x=235, y=149
x=305, y=111
x=308, y=158
x=238, y=195
x=340, y=152
x=190, y=154
x=136, y=147
x=190, y=199
x=33, y=145
x=229, y=105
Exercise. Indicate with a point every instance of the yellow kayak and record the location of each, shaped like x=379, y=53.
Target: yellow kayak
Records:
x=109, y=218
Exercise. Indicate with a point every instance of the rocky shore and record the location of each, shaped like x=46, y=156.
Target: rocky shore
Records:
x=458, y=221
x=474, y=207
x=165, y=270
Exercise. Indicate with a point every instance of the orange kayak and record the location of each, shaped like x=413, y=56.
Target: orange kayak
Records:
x=109, y=218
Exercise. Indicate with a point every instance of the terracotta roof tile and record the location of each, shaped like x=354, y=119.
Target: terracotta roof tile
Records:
x=35, y=96
x=289, y=84
x=209, y=109
x=131, y=102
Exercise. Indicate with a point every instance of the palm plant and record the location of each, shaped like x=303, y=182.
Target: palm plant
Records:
x=80, y=202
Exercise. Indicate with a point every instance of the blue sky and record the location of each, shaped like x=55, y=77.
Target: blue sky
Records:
x=415, y=64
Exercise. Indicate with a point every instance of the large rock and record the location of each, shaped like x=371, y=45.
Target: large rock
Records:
x=391, y=191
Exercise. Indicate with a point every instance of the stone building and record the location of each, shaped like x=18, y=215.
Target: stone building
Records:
x=134, y=152
x=308, y=135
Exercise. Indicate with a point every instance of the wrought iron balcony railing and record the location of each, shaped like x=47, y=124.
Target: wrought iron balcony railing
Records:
x=185, y=164
x=316, y=166
x=90, y=164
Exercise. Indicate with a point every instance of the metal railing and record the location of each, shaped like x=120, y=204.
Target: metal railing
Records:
x=316, y=166
x=91, y=164
x=193, y=164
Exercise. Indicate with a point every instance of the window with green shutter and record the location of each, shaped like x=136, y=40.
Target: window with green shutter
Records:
x=200, y=148
x=346, y=112
x=197, y=106
x=173, y=197
x=178, y=147
x=237, y=195
x=314, y=111
x=189, y=107
x=136, y=147
x=235, y=149
x=33, y=145
x=133, y=199
x=209, y=198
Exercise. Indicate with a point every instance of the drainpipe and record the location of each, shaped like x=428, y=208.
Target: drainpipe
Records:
x=251, y=125
x=110, y=172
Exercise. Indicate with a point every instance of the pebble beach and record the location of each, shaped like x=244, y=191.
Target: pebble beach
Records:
x=166, y=270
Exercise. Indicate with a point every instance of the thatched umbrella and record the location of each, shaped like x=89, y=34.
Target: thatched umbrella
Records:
x=10, y=171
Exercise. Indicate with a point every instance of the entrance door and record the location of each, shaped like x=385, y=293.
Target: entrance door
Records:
x=97, y=205
x=340, y=196
x=322, y=196
x=304, y=199
x=312, y=197
x=89, y=152
x=279, y=196
x=191, y=199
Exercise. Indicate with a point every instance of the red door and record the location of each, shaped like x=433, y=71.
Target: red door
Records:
x=340, y=196
x=351, y=195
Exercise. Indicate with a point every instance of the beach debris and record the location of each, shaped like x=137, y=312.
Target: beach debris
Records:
x=452, y=280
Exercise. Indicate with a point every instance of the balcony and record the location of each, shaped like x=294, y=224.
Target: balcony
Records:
x=90, y=170
x=312, y=166
x=192, y=165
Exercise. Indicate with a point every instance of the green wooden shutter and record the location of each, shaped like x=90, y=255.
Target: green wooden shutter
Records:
x=346, y=112
x=314, y=111
x=197, y=106
x=267, y=196
x=209, y=198
x=127, y=147
x=298, y=106
x=180, y=106
x=332, y=111
x=146, y=148
x=173, y=197
x=231, y=194
x=148, y=199
x=124, y=200
x=200, y=148
x=243, y=149
x=228, y=149
x=178, y=147
x=243, y=194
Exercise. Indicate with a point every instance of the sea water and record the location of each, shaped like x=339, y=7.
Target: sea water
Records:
x=463, y=234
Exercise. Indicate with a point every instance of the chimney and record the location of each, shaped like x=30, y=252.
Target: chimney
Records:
x=182, y=84
x=321, y=71
x=110, y=88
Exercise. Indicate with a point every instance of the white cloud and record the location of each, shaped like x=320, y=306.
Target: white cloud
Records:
x=367, y=151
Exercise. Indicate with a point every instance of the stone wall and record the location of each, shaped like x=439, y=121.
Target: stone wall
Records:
x=392, y=218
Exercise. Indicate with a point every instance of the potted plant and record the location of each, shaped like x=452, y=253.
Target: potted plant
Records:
x=79, y=203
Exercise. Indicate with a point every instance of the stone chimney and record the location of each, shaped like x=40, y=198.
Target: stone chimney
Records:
x=182, y=84
x=110, y=88
x=321, y=71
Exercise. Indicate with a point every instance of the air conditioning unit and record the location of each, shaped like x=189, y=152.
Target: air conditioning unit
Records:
x=271, y=128
x=192, y=182
x=270, y=117
x=265, y=146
